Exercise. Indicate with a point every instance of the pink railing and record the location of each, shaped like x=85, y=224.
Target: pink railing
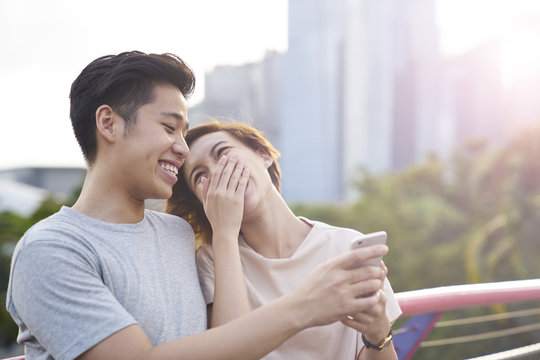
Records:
x=438, y=300
x=427, y=305
x=461, y=296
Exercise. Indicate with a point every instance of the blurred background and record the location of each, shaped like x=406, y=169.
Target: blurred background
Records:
x=417, y=117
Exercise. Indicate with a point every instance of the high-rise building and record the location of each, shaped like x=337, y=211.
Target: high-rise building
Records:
x=418, y=127
x=475, y=93
x=368, y=83
x=247, y=93
x=363, y=85
x=361, y=91
x=311, y=117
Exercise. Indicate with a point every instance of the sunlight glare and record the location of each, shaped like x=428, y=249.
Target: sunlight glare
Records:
x=520, y=52
x=464, y=24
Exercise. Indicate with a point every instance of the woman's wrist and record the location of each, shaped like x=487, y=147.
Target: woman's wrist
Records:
x=224, y=237
x=378, y=336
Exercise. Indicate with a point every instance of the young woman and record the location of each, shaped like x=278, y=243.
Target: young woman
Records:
x=229, y=191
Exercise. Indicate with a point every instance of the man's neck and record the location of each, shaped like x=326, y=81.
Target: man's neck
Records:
x=104, y=201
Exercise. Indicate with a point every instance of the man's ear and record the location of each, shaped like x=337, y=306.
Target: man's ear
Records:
x=107, y=122
x=266, y=157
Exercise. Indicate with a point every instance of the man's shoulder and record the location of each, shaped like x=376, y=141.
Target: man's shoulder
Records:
x=166, y=219
x=56, y=222
x=53, y=232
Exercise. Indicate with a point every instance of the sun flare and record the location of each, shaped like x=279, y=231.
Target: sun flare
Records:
x=465, y=24
x=520, y=51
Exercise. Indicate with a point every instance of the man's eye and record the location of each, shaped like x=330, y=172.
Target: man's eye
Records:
x=169, y=127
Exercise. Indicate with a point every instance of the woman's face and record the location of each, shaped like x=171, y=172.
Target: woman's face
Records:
x=205, y=153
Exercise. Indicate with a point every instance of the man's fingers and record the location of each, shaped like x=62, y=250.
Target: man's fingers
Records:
x=384, y=268
x=360, y=255
x=368, y=310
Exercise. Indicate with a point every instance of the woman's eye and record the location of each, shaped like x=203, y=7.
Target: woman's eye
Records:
x=221, y=151
x=197, y=177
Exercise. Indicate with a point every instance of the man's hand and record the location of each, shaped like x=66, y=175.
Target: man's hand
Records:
x=337, y=288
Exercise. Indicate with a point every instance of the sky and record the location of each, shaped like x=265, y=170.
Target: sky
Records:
x=44, y=44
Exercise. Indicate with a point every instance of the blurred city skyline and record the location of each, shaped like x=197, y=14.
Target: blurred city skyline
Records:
x=372, y=85
x=47, y=44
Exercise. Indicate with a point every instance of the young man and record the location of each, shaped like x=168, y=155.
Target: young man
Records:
x=108, y=279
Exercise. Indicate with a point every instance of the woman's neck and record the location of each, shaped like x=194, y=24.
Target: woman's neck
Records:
x=274, y=231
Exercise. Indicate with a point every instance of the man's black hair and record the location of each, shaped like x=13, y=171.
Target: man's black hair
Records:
x=125, y=82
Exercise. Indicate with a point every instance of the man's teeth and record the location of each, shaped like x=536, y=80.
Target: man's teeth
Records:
x=170, y=168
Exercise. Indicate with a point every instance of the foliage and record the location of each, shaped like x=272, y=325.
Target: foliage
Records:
x=12, y=228
x=473, y=218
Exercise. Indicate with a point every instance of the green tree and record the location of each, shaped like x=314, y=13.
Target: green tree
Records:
x=474, y=218
x=12, y=228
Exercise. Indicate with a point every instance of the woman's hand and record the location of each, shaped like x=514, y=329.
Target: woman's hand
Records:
x=223, y=196
x=373, y=322
x=223, y=201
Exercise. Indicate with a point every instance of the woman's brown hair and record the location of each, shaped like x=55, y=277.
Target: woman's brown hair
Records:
x=183, y=201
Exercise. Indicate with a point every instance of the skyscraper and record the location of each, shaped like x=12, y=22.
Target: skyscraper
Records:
x=311, y=117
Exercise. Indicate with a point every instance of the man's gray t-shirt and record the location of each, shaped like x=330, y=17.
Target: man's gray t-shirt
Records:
x=76, y=280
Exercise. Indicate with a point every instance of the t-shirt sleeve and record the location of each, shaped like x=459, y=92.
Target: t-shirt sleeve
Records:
x=58, y=297
x=205, y=269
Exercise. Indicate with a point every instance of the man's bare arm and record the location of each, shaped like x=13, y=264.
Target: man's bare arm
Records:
x=330, y=293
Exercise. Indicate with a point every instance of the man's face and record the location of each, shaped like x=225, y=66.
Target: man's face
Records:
x=154, y=149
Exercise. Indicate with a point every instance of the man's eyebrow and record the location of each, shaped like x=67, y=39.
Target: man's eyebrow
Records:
x=210, y=153
x=173, y=114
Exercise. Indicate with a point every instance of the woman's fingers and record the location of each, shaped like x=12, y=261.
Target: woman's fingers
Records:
x=202, y=188
x=227, y=175
x=235, y=178
x=242, y=184
x=217, y=173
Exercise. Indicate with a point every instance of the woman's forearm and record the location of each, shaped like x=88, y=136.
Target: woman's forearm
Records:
x=230, y=295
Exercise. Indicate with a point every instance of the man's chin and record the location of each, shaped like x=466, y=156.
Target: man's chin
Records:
x=163, y=194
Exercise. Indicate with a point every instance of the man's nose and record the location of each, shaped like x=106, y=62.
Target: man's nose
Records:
x=180, y=147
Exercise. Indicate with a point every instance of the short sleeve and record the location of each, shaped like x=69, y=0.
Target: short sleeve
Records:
x=56, y=291
x=205, y=269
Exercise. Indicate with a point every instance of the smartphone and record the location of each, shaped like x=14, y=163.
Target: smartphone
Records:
x=375, y=238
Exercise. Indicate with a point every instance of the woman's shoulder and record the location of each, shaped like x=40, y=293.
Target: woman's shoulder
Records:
x=319, y=226
x=205, y=252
